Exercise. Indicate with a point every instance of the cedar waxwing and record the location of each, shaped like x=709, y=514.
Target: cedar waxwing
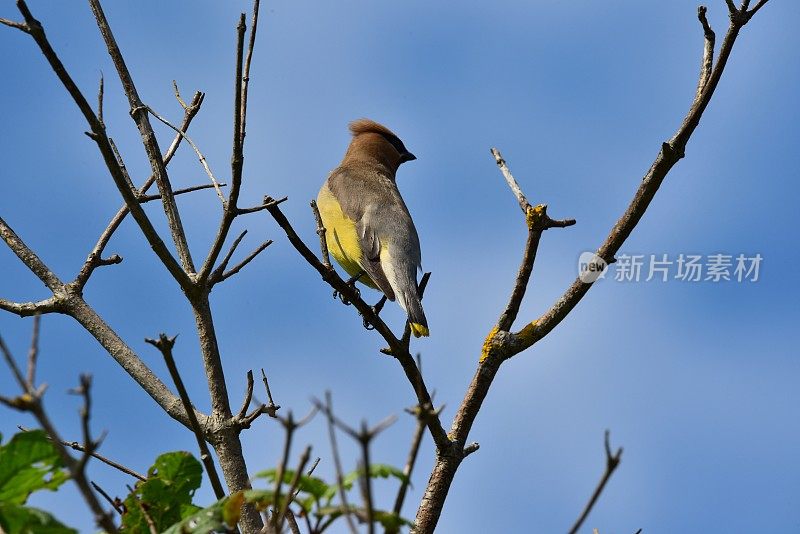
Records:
x=368, y=228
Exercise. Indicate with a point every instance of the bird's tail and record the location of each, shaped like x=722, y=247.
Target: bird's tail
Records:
x=409, y=301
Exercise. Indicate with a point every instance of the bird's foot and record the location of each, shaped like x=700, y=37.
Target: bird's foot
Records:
x=352, y=283
x=377, y=309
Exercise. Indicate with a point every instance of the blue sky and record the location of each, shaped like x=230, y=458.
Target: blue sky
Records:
x=698, y=381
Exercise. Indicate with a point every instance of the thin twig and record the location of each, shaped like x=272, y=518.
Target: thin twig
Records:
x=230, y=207
x=246, y=74
x=27, y=309
x=420, y=413
x=190, y=112
x=164, y=344
x=151, y=526
x=268, y=203
x=323, y=243
x=33, y=352
x=248, y=396
x=708, y=51
x=224, y=263
x=31, y=401
x=289, y=428
x=100, y=90
x=99, y=135
x=74, y=445
x=272, y=407
x=396, y=348
x=758, y=6
x=612, y=461
x=116, y=503
x=182, y=191
x=291, y=521
x=290, y=494
x=337, y=461
x=14, y=24
x=250, y=257
x=200, y=155
x=89, y=445
x=149, y=141
x=500, y=346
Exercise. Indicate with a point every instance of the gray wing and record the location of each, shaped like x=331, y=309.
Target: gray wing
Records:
x=371, y=259
x=373, y=201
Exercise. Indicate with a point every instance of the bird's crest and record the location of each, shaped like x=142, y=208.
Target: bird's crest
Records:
x=362, y=126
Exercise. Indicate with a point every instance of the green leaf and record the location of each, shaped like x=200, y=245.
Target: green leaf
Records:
x=17, y=519
x=389, y=520
x=307, y=484
x=219, y=517
x=166, y=495
x=375, y=471
x=29, y=462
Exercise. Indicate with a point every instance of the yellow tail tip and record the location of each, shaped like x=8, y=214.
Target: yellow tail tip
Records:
x=419, y=330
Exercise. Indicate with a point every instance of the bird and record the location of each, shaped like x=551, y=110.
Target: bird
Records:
x=368, y=228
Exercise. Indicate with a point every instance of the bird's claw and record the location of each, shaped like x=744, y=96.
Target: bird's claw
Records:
x=352, y=283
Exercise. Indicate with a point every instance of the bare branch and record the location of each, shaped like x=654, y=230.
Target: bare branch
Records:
x=12, y=365
x=224, y=264
x=337, y=462
x=31, y=401
x=246, y=75
x=13, y=24
x=164, y=344
x=500, y=345
x=708, y=51
x=33, y=352
x=612, y=461
x=250, y=257
x=396, y=347
x=248, y=396
x=272, y=407
x=178, y=96
x=88, y=267
x=239, y=108
x=151, y=526
x=291, y=521
x=230, y=208
x=123, y=169
x=191, y=189
x=100, y=91
x=289, y=426
x=139, y=115
x=731, y=7
x=268, y=203
x=116, y=503
x=512, y=183
x=74, y=445
x=323, y=243
x=26, y=309
x=99, y=135
x=671, y=152
x=89, y=445
x=421, y=413
x=200, y=155
x=292, y=488
x=758, y=6
x=29, y=258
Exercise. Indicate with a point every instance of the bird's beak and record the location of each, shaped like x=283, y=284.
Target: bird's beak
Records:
x=408, y=156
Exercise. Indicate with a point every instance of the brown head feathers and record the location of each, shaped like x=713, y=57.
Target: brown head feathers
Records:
x=361, y=126
x=378, y=142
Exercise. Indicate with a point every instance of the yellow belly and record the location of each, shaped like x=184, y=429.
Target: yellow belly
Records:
x=341, y=236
